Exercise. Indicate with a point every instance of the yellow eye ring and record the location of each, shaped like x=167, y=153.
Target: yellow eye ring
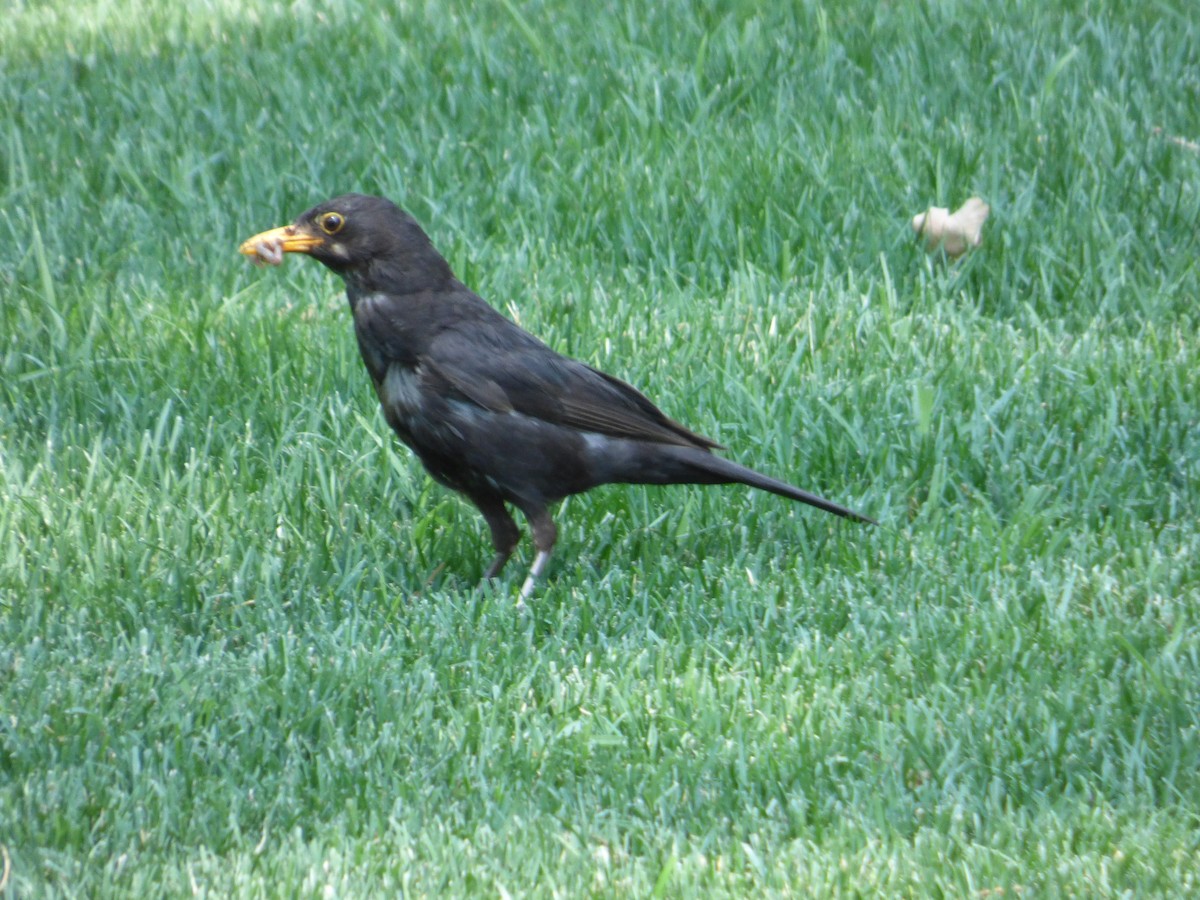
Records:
x=331, y=222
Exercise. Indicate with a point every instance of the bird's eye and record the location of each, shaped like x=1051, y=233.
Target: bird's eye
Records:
x=331, y=223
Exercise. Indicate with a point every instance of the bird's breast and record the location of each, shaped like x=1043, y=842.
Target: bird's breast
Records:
x=383, y=338
x=400, y=391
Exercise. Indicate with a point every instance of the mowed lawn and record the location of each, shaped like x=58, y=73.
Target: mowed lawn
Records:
x=243, y=649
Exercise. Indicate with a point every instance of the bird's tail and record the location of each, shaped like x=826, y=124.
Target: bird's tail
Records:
x=672, y=464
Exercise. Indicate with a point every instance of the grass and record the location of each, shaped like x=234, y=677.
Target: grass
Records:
x=242, y=650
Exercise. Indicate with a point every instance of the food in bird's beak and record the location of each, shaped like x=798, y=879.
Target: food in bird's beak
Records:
x=269, y=246
x=268, y=252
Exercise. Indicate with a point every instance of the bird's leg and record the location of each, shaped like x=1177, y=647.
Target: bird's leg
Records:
x=497, y=564
x=545, y=533
x=504, y=530
x=535, y=572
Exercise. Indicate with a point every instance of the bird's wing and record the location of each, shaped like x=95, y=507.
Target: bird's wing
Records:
x=506, y=369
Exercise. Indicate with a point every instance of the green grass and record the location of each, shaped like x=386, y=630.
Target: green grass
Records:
x=242, y=650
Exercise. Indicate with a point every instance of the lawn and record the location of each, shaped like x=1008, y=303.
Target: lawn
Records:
x=243, y=649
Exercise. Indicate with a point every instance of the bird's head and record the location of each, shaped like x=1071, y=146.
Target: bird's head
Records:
x=370, y=241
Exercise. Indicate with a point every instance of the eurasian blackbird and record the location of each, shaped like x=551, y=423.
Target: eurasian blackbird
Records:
x=490, y=410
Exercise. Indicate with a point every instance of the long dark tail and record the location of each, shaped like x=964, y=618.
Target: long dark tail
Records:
x=670, y=464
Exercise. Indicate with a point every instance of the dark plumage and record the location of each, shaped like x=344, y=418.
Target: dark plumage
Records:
x=490, y=410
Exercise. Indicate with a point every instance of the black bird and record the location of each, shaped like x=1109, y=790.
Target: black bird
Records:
x=490, y=410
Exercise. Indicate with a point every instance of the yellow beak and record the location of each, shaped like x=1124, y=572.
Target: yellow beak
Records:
x=289, y=238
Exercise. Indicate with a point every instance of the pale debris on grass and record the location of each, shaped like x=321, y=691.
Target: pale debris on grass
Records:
x=956, y=232
x=1178, y=141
